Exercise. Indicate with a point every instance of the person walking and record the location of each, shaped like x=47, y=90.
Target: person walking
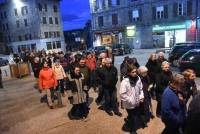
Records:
x=76, y=86
x=190, y=85
x=132, y=96
x=109, y=80
x=153, y=68
x=47, y=82
x=173, y=108
x=146, y=106
x=162, y=81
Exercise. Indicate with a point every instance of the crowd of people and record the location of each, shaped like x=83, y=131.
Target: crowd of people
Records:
x=75, y=74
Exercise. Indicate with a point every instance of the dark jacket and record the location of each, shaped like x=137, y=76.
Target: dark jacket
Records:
x=173, y=112
x=190, y=88
x=108, y=77
x=86, y=72
x=152, y=69
x=162, y=81
x=36, y=69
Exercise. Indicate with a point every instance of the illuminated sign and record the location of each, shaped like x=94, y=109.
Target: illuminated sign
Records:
x=130, y=31
x=158, y=28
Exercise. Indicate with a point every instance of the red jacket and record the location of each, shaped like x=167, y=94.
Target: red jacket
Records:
x=91, y=63
x=47, y=79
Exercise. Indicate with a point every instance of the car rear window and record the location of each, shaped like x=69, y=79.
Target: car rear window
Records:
x=191, y=55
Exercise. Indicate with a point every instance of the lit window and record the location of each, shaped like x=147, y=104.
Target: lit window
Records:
x=135, y=15
x=160, y=12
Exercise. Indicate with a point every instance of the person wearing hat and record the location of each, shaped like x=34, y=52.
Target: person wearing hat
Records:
x=108, y=80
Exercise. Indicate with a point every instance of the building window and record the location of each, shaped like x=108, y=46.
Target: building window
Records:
x=45, y=7
x=5, y=15
x=100, y=21
x=26, y=36
x=17, y=23
x=25, y=22
x=24, y=10
x=58, y=34
x=135, y=15
x=50, y=35
x=7, y=27
x=58, y=44
x=55, y=9
x=20, y=38
x=115, y=2
x=39, y=7
x=180, y=9
x=2, y=16
x=159, y=12
x=49, y=47
x=30, y=37
x=50, y=20
x=100, y=4
x=54, y=45
x=44, y=20
x=56, y=20
x=46, y=34
x=54, y=33
x=16, y=13
x=114, y=19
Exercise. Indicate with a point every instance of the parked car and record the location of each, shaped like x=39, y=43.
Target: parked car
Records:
x=100, y=49
x=121, y=49
x=179, y=49
x=190, y=60
x=3, y=62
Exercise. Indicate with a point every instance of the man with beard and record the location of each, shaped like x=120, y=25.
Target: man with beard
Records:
x=162, y=81
x=109, y=79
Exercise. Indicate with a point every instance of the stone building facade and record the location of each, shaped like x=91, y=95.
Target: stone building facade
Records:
x=145, y=23
x=32, y=25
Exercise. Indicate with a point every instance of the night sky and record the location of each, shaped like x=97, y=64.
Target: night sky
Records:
x=75, y=13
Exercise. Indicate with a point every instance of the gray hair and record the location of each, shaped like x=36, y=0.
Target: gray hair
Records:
x=142, y=69
x=164, y=63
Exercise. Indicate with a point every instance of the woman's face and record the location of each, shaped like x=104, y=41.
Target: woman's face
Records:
x=133, y=73
x=153, y=57
x=192, y=76
x=45, y=64
x=165, y=67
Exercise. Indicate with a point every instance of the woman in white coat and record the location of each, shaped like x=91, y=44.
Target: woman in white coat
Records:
x=131, y=94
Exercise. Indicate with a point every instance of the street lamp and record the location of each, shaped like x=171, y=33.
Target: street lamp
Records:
x=18, y=3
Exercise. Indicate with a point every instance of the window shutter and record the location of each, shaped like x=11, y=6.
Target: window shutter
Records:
x=175, y=9
x=130, y=18
x=118, y=2
x=166, y=11
x=154, y=13
x=189, y=8
x=140, y=14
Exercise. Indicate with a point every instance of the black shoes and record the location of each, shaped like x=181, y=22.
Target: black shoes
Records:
x=118, y=114
x=109, y=113
x=51, y=107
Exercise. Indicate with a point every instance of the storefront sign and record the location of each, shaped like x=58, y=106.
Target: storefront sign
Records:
x=130, y=31
x=159, y=28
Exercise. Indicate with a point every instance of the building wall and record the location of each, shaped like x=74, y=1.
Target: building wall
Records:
x=33, y=33
x=143, y=38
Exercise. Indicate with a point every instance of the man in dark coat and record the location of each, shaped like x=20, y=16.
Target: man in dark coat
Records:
x=1, y=85
x=109, y=79
x=162, y=81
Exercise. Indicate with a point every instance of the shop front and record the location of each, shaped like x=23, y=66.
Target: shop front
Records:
x=108, y=37
x=167, y=35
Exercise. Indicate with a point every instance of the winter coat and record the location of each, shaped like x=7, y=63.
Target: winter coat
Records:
x=173, y=112
x=77, y=88
x=153, y=68
x=59, y=72
x=108, y=77
x=190, y=89
x=47, y=79
x=86, y=73
x=162, y=81
x=91, y=63
x=131, y=94
x=36, y=69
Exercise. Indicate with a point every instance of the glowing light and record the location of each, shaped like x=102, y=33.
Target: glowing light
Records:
x=18, y=3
